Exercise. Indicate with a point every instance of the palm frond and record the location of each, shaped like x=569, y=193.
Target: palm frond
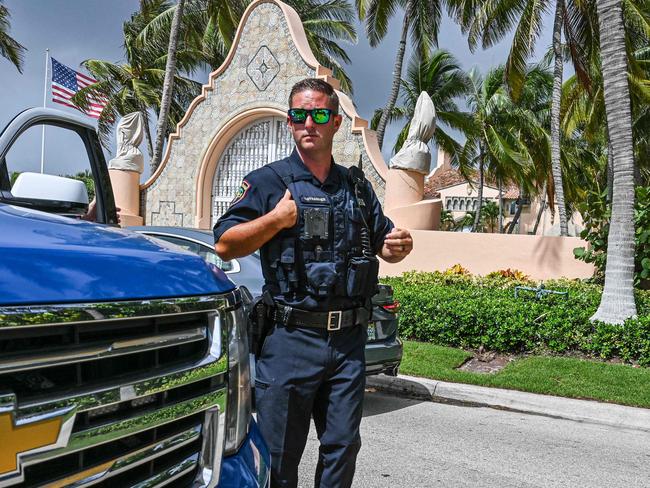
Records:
x=9, y=47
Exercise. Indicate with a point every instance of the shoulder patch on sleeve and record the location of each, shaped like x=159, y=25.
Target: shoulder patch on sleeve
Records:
x=241, y=192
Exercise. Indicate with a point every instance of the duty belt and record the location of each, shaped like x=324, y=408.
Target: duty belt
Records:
x=334, y=320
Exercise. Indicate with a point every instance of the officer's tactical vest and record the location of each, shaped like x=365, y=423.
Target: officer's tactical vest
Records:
x=323, y=253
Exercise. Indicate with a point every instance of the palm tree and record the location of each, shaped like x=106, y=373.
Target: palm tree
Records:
x=421, y=19
x=490, y=214
x=465, y=221
x=168, y=85
x=487, y=102
x=490, y=21
x=440, y=75
x=209, y=27
x=327, y=23
x=446, y=220
x=584, y=110
x=511, y=142
x=9, y=47
x=617, y=303
x=137, y=84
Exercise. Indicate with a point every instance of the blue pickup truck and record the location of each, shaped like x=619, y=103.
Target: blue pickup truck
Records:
x=123, y=362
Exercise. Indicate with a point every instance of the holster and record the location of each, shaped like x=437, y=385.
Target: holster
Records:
x=260, y=322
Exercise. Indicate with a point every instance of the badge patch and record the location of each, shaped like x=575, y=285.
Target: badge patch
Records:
x=241, y=192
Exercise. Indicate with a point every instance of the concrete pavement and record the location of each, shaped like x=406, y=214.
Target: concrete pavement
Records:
x=592, y=412
x=410, y=443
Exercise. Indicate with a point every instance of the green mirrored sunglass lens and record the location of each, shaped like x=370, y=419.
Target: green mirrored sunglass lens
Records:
x=320, y=116
x=298, y=115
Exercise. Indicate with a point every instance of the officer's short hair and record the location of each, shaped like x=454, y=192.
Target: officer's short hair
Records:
x=316, y=85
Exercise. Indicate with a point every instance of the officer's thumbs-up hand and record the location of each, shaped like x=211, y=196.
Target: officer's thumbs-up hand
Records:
x=286, y=211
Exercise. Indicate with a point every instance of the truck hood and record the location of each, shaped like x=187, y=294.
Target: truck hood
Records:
x=48, y=259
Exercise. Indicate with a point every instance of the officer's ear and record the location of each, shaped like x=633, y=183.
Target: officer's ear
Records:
x=338, y=120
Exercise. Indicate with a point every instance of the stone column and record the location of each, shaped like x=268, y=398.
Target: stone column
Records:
x=126, y=190
x=125, y=169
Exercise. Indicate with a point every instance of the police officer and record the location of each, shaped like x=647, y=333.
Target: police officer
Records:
x=318, y=228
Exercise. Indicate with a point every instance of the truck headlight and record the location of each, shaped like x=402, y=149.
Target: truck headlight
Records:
x=239, y=407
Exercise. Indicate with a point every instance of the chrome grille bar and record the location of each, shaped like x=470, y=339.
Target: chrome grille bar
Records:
x=171, y=474
x=25, y=362
x=117, y=392
x=80, y=313
x=148, y=420
x=119, y=465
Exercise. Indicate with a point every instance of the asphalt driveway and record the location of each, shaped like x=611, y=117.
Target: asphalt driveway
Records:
x=408, y=443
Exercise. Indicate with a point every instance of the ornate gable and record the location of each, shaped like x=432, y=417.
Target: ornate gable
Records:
x=269, y=54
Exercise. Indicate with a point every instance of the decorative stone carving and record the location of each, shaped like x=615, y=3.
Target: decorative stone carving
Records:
x=263, y=68
x=167, y=215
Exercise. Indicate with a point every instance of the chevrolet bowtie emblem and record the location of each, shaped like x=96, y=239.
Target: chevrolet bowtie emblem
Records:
x=24, y=436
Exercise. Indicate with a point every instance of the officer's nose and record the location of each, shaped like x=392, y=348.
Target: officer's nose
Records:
x=309, y=122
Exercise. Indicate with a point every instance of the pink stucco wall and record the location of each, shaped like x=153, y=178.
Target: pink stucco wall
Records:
x=540, y=257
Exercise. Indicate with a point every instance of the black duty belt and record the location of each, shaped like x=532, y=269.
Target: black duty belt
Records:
x=334, y=320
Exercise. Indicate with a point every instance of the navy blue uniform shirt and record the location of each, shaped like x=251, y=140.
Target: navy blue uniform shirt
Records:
x=260, y=192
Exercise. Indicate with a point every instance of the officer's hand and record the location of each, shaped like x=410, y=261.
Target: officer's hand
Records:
x=286, y=211
x=398, y=243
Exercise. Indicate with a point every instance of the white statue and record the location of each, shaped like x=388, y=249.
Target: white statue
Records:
x=129, y=134
x=415, y=154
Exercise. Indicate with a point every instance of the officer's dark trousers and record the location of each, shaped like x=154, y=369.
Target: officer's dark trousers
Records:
x=302, y=373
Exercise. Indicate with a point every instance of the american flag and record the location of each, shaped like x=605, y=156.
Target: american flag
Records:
x=66, y=82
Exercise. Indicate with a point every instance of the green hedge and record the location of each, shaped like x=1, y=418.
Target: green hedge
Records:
x=459, y=310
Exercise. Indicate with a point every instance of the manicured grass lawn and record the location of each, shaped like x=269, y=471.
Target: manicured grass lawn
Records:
x=567, y=377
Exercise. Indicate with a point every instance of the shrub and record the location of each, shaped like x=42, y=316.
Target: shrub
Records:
x=596, y=213
x=509, y=274
x=461, y=310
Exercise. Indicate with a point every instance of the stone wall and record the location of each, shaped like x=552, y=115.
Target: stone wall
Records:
x=260, y=74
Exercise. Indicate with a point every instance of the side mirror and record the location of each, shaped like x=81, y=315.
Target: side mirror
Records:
x=65, y=194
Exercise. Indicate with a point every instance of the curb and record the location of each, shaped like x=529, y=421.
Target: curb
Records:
x=586, y=411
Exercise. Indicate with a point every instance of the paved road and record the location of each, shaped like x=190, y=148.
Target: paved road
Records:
x=407, y=443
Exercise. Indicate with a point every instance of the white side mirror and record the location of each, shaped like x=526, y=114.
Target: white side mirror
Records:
x=48, y=187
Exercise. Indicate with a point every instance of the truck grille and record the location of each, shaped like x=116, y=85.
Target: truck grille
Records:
x=139, y=388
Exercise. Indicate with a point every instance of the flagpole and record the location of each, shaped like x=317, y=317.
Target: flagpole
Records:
x=47, y=63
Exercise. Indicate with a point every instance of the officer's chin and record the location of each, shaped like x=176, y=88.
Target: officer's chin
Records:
x=309, y=144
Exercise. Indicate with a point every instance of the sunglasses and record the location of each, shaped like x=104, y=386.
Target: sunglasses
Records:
x=318, y=115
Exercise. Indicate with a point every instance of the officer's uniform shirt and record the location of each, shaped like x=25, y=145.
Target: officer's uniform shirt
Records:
x=260, y=192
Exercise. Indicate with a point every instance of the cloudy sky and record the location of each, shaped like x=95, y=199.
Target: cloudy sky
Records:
x=75, y=30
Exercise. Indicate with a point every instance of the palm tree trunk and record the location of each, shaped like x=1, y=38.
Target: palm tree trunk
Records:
x=477, y=216
x=500, y=206
x=556, y=166
x=610, y=172
x=147, y=132
x=617, y=302
x=397, y=78
x=540, y=212
x=168, y=86
x=515, y=220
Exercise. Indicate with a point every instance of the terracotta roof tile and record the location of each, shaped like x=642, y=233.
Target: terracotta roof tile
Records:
x=445, y=177
x=442, y=178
